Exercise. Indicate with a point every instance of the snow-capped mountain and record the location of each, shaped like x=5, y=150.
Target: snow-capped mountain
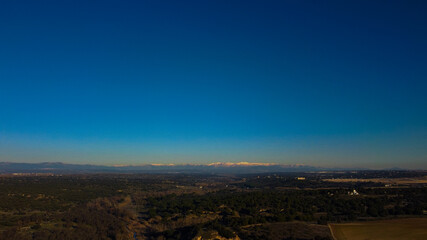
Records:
x=217, y=167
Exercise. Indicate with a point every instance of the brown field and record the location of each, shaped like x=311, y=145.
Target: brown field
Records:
x=393, y=181
x=285, y=230
x=408, y=229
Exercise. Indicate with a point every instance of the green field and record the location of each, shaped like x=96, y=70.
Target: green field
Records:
x=408, y=228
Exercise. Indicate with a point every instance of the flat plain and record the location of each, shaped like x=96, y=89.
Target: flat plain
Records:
x=392, y=181
x=407, y=228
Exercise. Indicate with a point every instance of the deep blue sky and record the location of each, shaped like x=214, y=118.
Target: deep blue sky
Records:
x=328, y=83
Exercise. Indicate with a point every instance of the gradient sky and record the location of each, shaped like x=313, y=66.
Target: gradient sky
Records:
x=325, y=83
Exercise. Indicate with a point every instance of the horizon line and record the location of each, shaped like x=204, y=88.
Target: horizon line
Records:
x=218, y=164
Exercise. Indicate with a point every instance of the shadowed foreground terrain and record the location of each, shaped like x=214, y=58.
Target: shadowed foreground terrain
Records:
x=212, y=206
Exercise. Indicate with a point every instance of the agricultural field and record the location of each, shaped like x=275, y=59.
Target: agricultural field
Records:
x=408, y=228
x=388, y=181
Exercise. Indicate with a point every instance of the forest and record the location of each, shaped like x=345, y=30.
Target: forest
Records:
x=191, y=206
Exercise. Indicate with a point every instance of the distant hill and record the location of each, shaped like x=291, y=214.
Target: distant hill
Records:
x=219, y=167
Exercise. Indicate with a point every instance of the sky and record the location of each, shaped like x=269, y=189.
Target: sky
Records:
x=323, y=83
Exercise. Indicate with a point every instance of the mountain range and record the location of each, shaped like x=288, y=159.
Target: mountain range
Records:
x=217, y=167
